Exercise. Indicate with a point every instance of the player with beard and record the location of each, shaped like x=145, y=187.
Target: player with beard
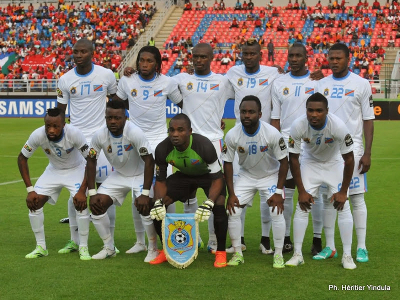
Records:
x=65, y=146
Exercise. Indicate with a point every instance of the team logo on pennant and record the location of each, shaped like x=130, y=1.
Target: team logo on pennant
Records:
x=180, y=239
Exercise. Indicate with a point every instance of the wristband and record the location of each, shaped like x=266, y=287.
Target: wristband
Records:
x=30, y=189
x=92, y=192
x=145, y=192
x=279, y=191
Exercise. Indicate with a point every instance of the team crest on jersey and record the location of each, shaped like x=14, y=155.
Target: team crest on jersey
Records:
x=348, y=140
x=128, y=147
x=371, y=101
x=47, y=151
x=349, y=93
x=224, y=149
x=241, y=149
x=240, y=81
x=189, y=86
x=263, y=81
x=73, y=90
x=291, y=142
x=282, y=144
x=264, y=148
x=306, y=140
x=27, y=148
x=328, y=140
x=326, y=92
x=142, y=151
x=98, y=87
x=286, y=91
x=109, y=149
x=309, y=91
x=194, y=162
x=59, y=93
x=171, y=162
x=92, y=153
x=69, y=150
x=133, y=93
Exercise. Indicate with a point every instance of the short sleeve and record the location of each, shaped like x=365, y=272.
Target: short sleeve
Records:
x=112, y=83
x=121, y=93
x=32, y=143
x=228, y=151
x=95, y=146
x=174, y=93
x=367, y=103
x=62, y=91
x=276, y=104
x=161, y=161
x=294, y=143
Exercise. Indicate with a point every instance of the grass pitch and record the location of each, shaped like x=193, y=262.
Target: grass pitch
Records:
x=64, y=276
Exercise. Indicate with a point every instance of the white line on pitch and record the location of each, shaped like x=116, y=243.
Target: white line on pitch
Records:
x=15, y=181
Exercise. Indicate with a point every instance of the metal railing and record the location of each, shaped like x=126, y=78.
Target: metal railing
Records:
x=151, y=30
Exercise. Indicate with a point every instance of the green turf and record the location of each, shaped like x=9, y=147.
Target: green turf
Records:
x=128, y=277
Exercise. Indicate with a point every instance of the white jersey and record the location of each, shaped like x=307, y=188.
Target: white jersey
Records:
x=204, y=99
x=289, y=96
x=350, y=99
x=259, y=152
x=256, y=84
x=67, y=153
x=123, y=152
x=321, y=145
x=147, y=102
x=87, y=97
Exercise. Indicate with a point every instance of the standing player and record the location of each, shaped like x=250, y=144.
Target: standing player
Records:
x=147, y=91
x=204, y=96
x=263, y=164
x=128, y=151
x=65, y=147
x=326, y=140
x=198, y=167
x=350, y=99
x=289, y=95
x=85, y=90
x=251, y=78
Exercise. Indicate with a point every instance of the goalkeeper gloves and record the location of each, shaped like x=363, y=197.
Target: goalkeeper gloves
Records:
x=158, y=211
x=204, y=211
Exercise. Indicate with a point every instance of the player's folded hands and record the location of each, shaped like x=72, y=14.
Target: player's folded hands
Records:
x=204, y=211
x=158, y=211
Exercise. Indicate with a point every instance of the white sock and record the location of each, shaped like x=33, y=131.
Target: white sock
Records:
x=265, y=217
x=288, y=210
x=300, y=223
x=329, y=224
x=73, y=224
x=360, y=218
x=211, y=230
x=111, y=211
x=37, y=223
x=345, y=222
x=150, y=231
x=102, y=225
x=83, y=221
x=243, y=220
x=171, y=209
x=278, y=230
x=139, y=228
x=190, y=206
x=234, y=225
x=317, y=213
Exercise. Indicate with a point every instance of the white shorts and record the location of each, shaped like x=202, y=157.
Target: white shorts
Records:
x=53, y=180
x=246, y=187
x=328, y=174
x=358, y=184
x=104, y=168
x=218, y=147
x=117, y=186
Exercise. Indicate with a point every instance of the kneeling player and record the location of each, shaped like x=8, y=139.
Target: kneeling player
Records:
x=65, y=147
x=127, y=150
x=326, y=140
x=263, y=166
x=198, y=166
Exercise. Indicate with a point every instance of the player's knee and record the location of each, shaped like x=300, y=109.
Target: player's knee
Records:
x=220, y=200
x=235, y=216
x=220, y=213
x=357, y=201
x=274, y=214
x=146, y=220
